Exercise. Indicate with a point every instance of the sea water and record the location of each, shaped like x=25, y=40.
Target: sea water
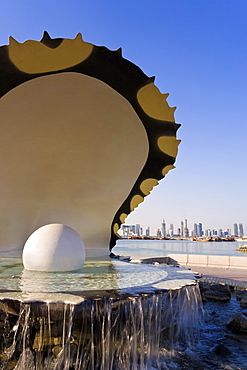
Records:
x=161, y=248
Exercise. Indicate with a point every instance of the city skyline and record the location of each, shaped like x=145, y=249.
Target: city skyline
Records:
x=197, y=51
x=183, y=230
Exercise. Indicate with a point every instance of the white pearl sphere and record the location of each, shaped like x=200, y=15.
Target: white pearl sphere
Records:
x=54, y=247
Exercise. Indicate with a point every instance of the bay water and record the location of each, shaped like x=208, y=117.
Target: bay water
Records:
x=161, y=248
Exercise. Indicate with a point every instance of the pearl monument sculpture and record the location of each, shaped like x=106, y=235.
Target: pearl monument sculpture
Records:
x=85, y=136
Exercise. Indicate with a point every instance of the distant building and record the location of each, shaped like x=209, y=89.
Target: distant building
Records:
x=241, y=230
x=221, y=234
x=235, y=229
x=132, y=229
x=181, y=233
x=186, y=230
x=158, y=233
x=195, y=230
x=199, y=229
x=171, y=230
x=127, y=230
x=138, y=230
x=147, y=232
x=163, y=228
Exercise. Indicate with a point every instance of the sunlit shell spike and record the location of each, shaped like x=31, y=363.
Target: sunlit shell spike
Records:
x=48, y=55
x=79, y=36
x=154, y=103
x=13, y=41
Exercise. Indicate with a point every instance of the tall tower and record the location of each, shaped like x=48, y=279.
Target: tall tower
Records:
x=235, y=229
x=241, y=230
x=186, y=230
x=158, y=233
x=171, y=230
x=138, y=227
x=147, y=231
x=199, y=229
x=195, y=230
x=182, y=229
x=163, y=228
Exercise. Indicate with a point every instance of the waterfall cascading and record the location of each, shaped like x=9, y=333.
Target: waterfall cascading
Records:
x=103, y=333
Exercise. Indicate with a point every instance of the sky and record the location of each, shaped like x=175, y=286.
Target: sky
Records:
x=197, y=51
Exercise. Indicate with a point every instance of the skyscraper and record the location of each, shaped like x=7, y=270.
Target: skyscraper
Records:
x=195, y=230
x=171, y=230
x=157, y=233
x=147, y=231
x=235, y=228
x=199, y=229
x=182, y=229
x=186, y=230
x=163, y=228
x=241, y=230
x=138, y=227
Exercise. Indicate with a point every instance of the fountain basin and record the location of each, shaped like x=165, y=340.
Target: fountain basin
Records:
x=97, y=275
x=109, y=315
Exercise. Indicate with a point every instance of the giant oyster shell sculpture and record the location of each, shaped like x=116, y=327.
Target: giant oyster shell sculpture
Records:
x=85, y=136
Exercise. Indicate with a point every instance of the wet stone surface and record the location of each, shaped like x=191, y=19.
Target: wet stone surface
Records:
x=123, y=332
x=218, y=347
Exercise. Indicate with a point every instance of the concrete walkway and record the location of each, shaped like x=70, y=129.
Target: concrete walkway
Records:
x=231, y=276
x=215, y=268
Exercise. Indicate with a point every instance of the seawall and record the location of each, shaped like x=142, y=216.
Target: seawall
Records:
x=210, y=260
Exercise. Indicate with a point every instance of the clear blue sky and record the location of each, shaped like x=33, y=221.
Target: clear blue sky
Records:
x=197, y=51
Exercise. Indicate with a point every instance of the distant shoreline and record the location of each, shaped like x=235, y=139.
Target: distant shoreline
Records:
x=211, y=239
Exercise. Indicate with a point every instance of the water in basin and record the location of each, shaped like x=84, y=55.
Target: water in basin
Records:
x=109, y=315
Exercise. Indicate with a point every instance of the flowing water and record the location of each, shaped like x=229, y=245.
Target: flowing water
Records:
x=121, y=332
